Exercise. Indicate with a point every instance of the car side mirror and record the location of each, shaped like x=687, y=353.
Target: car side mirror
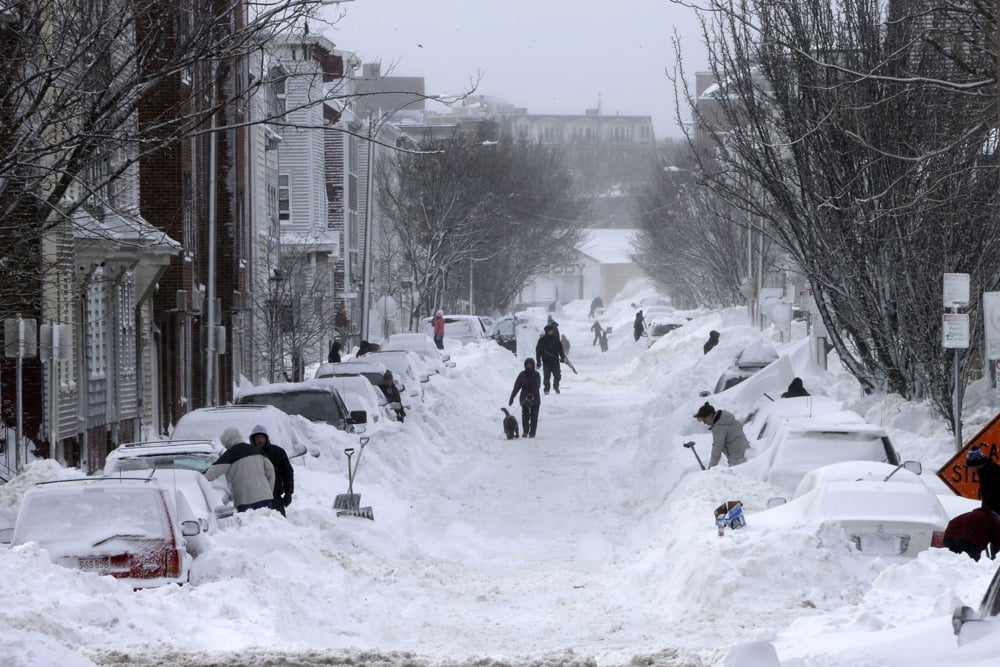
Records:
x=913, y=466
x=775, y=502
x=425, y=378
x=190, y=528
x=359, y=416
x=961, y=616
x=224, y=511
x=703, y=393
x=445, y=357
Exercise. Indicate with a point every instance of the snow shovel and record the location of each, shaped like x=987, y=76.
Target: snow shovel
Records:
x=570, y=364
x=348, y=504
x=690, y=445
x=345, y=501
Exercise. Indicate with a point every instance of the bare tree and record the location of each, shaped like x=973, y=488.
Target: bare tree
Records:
x=291, y=305
x=864, y=134
x=507, y=207
x=74, y=75
x=690, y=241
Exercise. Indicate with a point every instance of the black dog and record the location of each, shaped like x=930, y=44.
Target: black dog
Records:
x=509, y=425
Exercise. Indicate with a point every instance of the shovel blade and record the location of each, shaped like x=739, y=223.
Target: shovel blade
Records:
x=362, y=513
x=346, y=501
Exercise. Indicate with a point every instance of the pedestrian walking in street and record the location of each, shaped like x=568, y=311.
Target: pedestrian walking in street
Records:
x=594, y=305
x=527, y=384
x=549, y=352
x=597, y=329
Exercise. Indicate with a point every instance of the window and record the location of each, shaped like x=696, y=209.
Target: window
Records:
x=619, y=135
x=284, y=199
x=281, y=95
x=97, y=327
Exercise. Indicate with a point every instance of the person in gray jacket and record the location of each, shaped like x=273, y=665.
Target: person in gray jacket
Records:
x=727, y=435
x=249, y=471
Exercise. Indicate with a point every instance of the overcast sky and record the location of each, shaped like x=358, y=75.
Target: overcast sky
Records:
x=551, y=56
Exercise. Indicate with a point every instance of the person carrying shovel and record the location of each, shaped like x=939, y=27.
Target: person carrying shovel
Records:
x=727, y=435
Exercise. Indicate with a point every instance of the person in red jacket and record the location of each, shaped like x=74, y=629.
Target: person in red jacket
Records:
x=973, y=532
x=438, y=324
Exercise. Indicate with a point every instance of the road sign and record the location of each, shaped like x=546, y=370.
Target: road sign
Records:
x=955, y=327
x=960, y=479
x=991, y=322
x=956, y=290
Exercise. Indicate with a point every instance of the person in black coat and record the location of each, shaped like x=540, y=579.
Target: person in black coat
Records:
x=284, y=476
x=528, y=383
x=989, y=477
x=549, y=352
x=594, y=305
x=334, y=356
x=713, y=340
x=391, y=393
x=639, y=326
x=597, y=329
x=795, y=389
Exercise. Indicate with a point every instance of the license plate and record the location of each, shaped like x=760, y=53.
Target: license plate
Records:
x=102, y=563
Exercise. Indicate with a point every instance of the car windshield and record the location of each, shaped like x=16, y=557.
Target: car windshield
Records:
x=313, y=405
x=91, y=515
x=198, y=462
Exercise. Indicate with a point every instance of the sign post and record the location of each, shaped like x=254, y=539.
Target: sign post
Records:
x=991, y=324
x=955, y=332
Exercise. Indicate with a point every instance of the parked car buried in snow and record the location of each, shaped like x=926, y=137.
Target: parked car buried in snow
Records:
x=798, y=446
x=128, y=528
x=883, y=510
x=315, y=402
x=972, y=624
x=195, y=455
x=291, y=433
x=752, y=359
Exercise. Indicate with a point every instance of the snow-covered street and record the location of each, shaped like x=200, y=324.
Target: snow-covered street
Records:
x=592, y=544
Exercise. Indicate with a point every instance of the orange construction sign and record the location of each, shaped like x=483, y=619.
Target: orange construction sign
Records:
x=960, y=479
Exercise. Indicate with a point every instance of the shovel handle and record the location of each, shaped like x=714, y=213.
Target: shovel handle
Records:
x=349, y=451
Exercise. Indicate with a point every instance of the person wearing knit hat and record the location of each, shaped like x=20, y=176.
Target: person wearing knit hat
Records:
x=727, y=435
x=250, y=473
x=988, y=473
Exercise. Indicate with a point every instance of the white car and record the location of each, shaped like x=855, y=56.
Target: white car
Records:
x=971, y=624
x=462, y=328
x=129, y=528
x=407, y=366
x=367, y=367
x=421, y=345
x=884, y=510
x=752, y=359
x=204, y=501
x=768, y=413
x=360, y=395
x=130, y=457
x=290, y=432
x=799, y=446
